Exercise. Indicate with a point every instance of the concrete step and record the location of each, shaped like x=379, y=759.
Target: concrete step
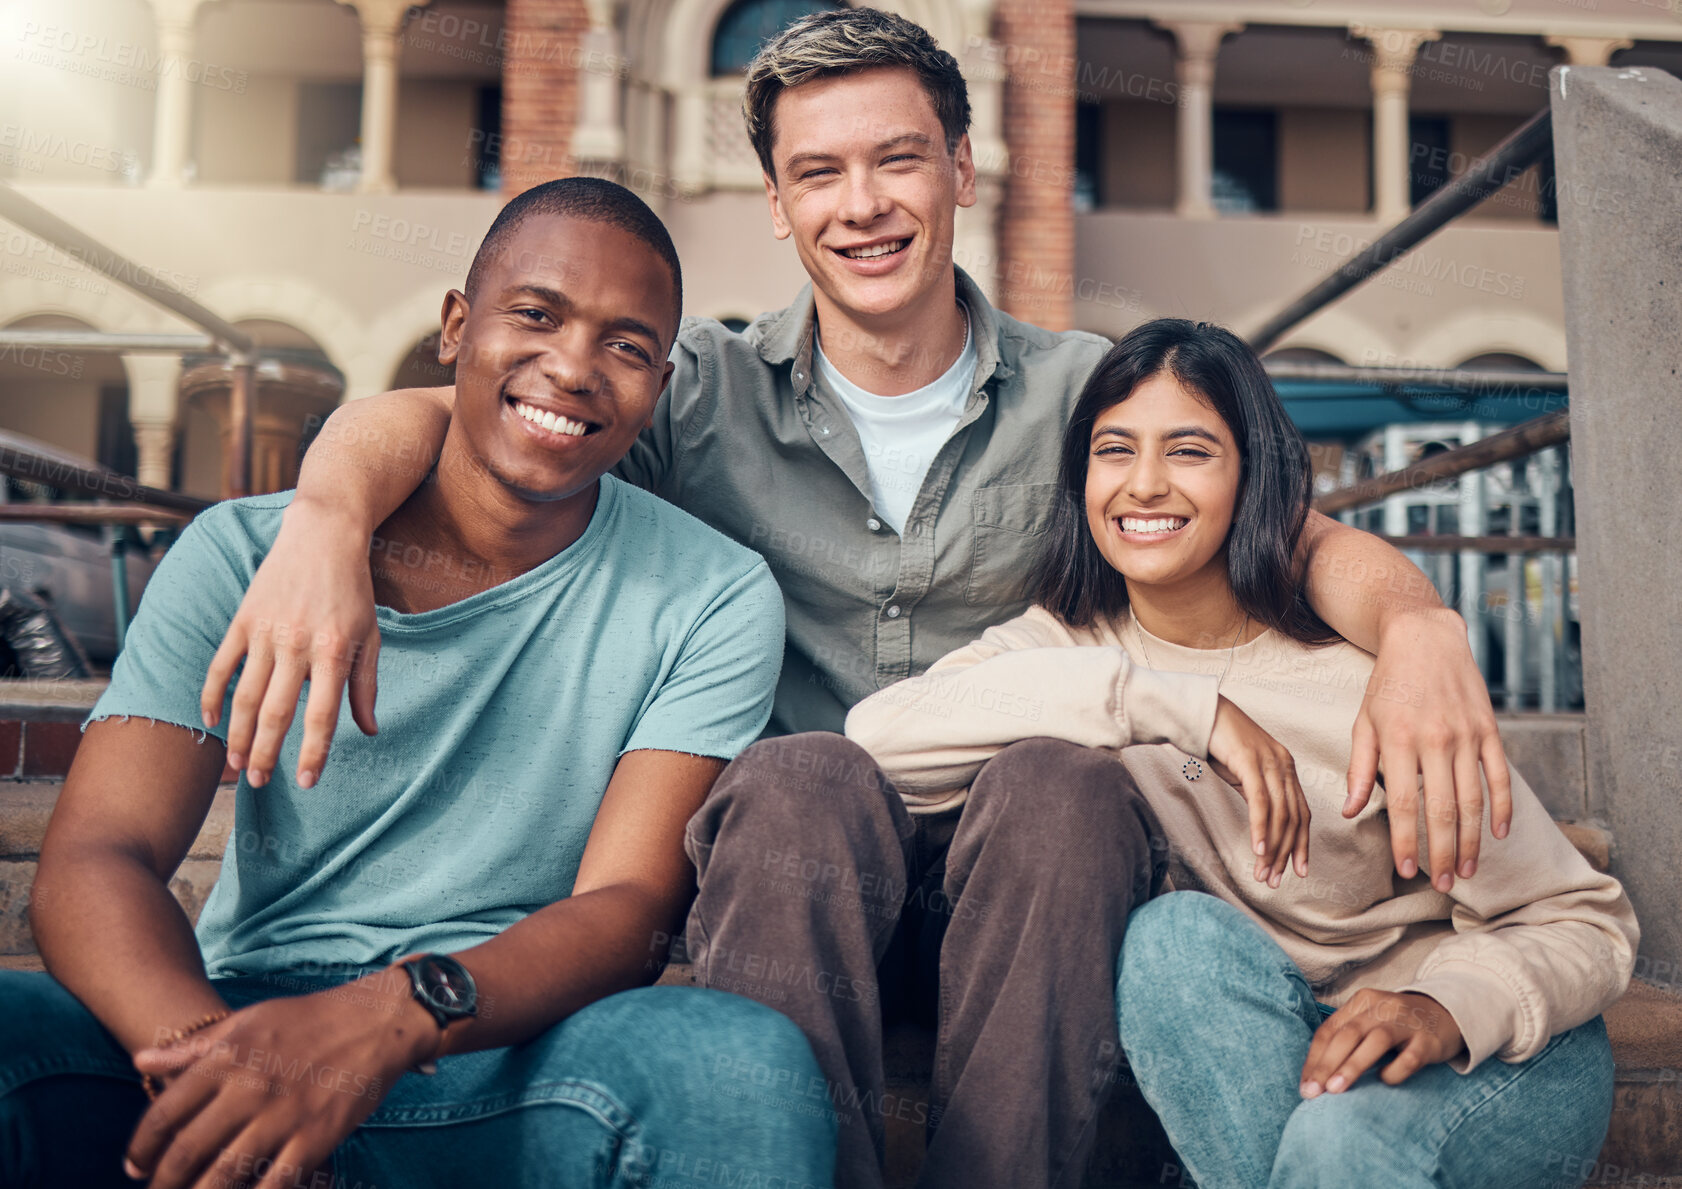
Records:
x=1549, y=750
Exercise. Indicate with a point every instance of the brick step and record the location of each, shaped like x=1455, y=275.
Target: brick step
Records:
x=25, y=807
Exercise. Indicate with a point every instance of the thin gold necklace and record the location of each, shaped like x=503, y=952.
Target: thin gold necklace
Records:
x=1139, y=634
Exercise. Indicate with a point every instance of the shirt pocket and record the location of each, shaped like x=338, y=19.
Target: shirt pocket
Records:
x=1007, y=526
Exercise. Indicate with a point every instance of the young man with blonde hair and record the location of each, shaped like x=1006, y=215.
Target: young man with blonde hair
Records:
x=888, y=442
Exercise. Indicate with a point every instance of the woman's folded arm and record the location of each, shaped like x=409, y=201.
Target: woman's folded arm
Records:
x=1021, y=680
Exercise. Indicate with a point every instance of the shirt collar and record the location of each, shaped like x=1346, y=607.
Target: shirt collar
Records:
x=788, y=334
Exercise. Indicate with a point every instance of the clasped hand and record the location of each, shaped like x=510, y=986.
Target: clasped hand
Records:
x=1372, y=1024
x=263, y=1097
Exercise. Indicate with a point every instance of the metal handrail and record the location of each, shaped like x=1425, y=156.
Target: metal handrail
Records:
x=124, y=514
x=1434, y=543
x=1458, y=378
x=24, y=458
x=1527, y=145
x=98, y=342
x=82, y=247
x=240, y=346
x=1521, y=440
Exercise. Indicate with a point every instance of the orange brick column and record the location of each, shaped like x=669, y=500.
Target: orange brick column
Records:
x=1037, y=220
x=540, y=91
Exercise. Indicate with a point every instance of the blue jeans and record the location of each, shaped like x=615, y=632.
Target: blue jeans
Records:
x=1216, y=1022
x=665, y=1086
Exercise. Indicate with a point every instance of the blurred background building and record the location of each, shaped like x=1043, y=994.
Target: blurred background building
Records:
x=319, y=172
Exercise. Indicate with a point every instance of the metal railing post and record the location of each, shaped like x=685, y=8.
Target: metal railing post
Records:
x=241, y=407
x=1527, y=145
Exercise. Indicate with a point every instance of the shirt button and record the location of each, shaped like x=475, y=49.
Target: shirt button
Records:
x=893, y=612
x=873, y=524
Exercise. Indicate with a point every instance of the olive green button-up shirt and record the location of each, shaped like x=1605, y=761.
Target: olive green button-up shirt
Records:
x=746, y=440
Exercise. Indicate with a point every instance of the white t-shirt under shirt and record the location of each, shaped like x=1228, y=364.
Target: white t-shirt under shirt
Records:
x=901, y=434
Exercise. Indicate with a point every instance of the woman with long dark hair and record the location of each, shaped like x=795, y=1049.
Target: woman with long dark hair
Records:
x=1258, y=1002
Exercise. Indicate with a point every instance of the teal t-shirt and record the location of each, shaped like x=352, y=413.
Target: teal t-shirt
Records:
x=501, y=719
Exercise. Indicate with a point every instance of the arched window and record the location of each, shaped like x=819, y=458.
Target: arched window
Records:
x=748, y=24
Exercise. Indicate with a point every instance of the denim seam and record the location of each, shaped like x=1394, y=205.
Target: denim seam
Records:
x=589, y=1097
x=1465, y=1113
x=62, y=1065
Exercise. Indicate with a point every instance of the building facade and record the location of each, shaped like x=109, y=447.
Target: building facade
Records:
x=320, y=171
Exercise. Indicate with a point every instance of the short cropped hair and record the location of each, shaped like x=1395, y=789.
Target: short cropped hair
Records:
x=592, y=199
x=845, y=41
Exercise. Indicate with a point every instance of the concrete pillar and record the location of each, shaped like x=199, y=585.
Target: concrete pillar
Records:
x=1393, y=52
x=382, y=21
x=1037, y=225
x=1589, y=51
x=541, y=91
x=598, y=144
x=154, y=387
x=1617, y=139
x=692, y=170
x=172, y=120
x=975, y=247
x=1199, y=43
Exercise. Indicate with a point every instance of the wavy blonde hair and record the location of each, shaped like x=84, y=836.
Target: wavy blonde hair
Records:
x=844, y=41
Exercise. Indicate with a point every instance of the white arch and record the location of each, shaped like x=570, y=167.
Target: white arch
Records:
x=1336, y=330
x=102, y=304
x=313, y=310
x=684, y=54
x=1480, y=332
x=392, y=336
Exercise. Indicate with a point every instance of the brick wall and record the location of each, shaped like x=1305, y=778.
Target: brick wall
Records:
x=540, y=91
x=1036, y=222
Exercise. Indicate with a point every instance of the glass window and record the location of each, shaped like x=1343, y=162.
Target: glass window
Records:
x=1246, y=162
x=748, y=24
x=1428, y=157
x=1088, y=156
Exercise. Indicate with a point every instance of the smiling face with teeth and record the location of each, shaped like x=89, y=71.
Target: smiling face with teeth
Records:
x=869, y=192
x=1162, y=483
x=560, y=356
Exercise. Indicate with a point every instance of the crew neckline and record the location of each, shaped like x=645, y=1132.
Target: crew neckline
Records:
x=607, y=496
x=934, y=391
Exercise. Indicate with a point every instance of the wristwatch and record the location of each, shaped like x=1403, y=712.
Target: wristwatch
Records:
x=442, y=986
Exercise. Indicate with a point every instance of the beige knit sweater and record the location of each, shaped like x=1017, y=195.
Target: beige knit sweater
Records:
x=1534, y=944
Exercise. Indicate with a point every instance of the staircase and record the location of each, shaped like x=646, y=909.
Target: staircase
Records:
x=39, y=732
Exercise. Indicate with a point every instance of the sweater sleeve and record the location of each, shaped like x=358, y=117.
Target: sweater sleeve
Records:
x=1542, y=942
x=1023, y=679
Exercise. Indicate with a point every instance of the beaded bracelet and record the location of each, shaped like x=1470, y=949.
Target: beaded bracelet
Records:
x=147, y=1081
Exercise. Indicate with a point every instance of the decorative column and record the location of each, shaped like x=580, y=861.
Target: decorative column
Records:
x=541, y=91
x=382, y=21
x=1037, y=225
x=598, y=144
x=1393, y=53
x=692, y=170
x=1589, y=51
x=1199, y=44
x=172, y=125
x=154, y=383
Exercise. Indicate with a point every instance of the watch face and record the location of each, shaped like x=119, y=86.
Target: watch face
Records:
x=448, y=985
